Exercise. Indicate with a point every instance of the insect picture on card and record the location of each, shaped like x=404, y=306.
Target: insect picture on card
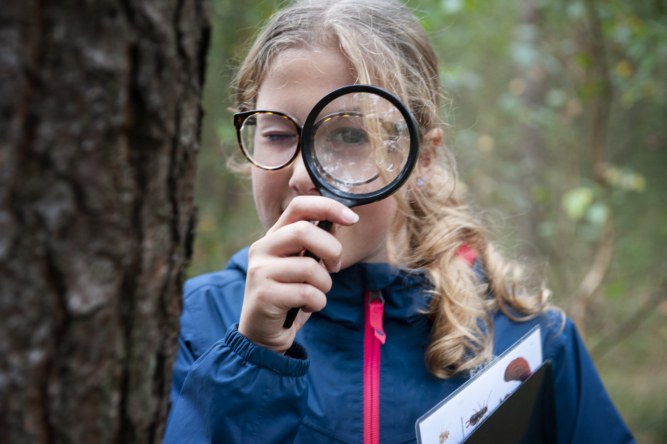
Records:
x=457, y=416
x=479, y=414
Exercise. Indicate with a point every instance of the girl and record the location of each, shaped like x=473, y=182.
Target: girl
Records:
x=439, y=294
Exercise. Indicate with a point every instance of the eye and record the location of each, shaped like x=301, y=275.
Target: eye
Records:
x=349, y=135
x=280, y=137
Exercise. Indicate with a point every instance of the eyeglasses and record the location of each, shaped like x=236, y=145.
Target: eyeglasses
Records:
x=270, y=140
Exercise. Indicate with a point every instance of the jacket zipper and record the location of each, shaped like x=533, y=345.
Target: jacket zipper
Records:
x=374, y=337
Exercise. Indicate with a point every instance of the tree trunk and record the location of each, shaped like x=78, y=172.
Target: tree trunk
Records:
x=99, y=128
x=531, y=143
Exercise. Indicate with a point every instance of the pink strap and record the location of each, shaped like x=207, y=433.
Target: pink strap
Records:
x=467, y=254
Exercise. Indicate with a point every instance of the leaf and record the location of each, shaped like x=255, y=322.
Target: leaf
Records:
x=485, y=143
x=589, y=233
x=597, y=213
x=576, y=10
x=541, y=194
x=547, y=228
x=556, y=98
x=451, y=6
x=525, y=55
x=575, y=202
x=615, y=290
x=624, y=69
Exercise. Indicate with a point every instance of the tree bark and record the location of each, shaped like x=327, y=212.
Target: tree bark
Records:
x=99, y=128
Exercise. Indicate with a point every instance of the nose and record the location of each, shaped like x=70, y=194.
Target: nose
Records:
x=300, y=180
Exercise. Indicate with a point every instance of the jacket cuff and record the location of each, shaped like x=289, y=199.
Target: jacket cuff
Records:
x=296, y=364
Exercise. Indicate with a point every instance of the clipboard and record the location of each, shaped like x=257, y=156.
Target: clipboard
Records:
x=455, y=418
x=527, y=416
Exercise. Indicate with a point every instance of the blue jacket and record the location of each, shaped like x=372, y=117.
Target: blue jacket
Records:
x=228, y=390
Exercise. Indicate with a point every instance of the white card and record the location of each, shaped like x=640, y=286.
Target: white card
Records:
x=457, y=416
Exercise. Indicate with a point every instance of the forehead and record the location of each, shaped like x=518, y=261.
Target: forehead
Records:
x=298, y=78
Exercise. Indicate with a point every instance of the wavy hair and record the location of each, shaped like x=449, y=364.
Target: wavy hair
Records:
x=387, y=47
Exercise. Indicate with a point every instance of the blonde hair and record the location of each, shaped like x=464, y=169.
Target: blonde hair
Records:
x=387, y=47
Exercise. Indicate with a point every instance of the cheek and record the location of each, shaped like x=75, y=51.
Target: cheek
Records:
x=267, y=191
x=378, y=216
x=367, y=240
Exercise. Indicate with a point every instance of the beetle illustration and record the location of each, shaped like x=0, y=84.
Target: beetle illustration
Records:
x=443, y=436
x=479, y=414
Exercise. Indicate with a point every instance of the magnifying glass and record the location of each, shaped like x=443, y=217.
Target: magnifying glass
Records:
x=359, y=145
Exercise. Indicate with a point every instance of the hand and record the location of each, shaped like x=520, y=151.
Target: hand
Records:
x=279, y=278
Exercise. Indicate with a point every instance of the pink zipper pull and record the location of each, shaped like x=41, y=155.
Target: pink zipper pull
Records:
x=376, y=308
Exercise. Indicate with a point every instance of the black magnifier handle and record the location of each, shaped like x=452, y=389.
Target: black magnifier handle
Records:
x=291, y=314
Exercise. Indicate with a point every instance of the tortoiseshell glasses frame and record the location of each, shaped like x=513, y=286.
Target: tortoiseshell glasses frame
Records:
x=239, y=120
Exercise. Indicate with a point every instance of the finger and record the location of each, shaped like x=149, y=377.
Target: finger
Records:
x=334, y=229
x=300, y=320
x=299, y=270
x=329, y=265
x=315, y=208
x=299, y=236
x=307, y=297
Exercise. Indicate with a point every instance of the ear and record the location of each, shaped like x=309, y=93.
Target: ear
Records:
x=429, y=148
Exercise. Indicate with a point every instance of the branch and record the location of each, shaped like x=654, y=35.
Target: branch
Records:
x=601, y=105
x=600, y=110
x=624, y=330
x=580, y=303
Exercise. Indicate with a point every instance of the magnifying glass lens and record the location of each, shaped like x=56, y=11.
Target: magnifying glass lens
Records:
x=360, y=143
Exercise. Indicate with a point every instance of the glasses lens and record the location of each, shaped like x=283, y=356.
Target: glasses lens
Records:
x=270, y=140
x=361, y=144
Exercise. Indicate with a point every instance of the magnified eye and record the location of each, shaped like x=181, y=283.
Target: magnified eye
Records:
x=348, y=136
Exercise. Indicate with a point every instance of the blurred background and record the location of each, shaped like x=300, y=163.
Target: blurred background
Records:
x=558, y=120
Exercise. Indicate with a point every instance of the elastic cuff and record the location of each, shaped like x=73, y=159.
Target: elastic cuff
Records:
x=297, y=351
x=296, y=365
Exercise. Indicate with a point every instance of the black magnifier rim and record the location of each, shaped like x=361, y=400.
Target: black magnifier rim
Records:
x=328, y=190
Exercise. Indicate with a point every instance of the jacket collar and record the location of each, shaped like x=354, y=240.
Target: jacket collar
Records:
x=405, y=293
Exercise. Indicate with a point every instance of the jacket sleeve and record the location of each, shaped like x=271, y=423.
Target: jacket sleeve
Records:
x=238, y=391
x=184, y=361
x=584, y=411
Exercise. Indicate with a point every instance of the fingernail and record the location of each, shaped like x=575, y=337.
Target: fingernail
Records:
x=340, y=262
x=350, y=215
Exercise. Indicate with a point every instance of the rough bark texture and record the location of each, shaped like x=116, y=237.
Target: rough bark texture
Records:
x=99, y=128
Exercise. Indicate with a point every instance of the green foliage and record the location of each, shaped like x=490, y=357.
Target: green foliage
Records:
x=616, y=290
x=577, y=201
x=525, y=81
